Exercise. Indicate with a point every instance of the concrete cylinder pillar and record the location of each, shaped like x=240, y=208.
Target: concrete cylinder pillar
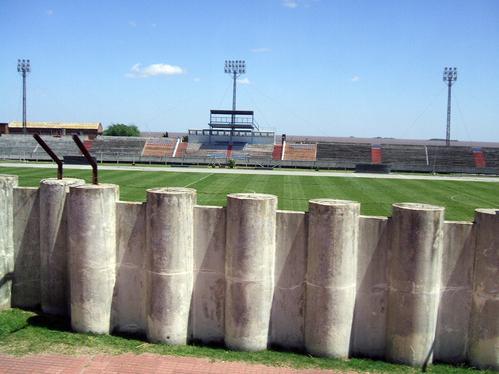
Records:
x=331, y=276
x=92, y=255
x=7, y=184
x=484, y=329
x=414, y=272
x=170, y=226
x=249, y=269
x=53, y=244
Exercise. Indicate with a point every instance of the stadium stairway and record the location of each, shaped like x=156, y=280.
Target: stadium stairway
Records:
x=182, y=149
x=479, y=158
x=88, y=144
x=229, y=151
x=277, y=152
x=376, y=155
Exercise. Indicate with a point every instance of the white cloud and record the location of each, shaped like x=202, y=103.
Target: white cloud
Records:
x=49, y=12
x=138, y=71
x=132, y=23
x=355, y=78
x=260, y=50
x=243, y=81
x=290, y=3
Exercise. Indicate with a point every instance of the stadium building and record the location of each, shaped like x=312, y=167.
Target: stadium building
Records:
x=90, y=129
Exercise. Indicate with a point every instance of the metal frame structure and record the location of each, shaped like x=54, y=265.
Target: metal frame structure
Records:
x=88, y=157
x=24, y=67
x=236, y=68
x=52, y=155
x=449, y=77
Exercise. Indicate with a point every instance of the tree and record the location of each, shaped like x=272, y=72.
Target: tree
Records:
x=120, y=129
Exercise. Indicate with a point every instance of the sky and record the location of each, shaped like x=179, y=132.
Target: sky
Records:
x=314, y=67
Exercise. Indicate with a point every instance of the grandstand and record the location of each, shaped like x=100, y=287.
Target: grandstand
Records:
x=420, y=156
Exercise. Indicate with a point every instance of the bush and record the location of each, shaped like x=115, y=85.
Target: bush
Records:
x=120, y=129
x=231, y=163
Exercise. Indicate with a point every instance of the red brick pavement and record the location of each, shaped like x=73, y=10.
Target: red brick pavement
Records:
x=130, y=363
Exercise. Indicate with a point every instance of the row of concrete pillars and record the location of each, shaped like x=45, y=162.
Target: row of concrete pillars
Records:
x=81, y=229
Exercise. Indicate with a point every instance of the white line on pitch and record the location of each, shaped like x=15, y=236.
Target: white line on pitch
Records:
x=199, y=180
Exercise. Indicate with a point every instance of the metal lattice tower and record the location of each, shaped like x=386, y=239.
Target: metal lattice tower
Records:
x=450, y=76
x=24, y=67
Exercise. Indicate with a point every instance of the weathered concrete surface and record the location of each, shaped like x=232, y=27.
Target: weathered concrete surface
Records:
x=451, y=339
x=369, y=323
x=53, y=246
x=129, y=299
x=170, y=214
x=288, y=304
x=207, y=308
x=331, y=276
x=7, y=184
x=414, y=271
x=484, y=329
x=92, y=255
x=249, y=269
x=26, y=283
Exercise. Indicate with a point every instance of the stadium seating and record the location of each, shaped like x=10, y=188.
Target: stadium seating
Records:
x=401, y=157
x=300, y=152
x=117, y=146
x=259, y=151
x=344, y=152
x=159, y=147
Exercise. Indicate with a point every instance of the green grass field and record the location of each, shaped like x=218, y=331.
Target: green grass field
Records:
x=376, y=195
x=23, y=333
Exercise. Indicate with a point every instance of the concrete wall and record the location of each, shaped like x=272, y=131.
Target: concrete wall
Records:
x=411, y=278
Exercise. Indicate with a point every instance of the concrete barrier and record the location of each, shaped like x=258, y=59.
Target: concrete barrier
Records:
x=129, y=298
x=92, y=255
x=287, y=320
x=410, y=288
x=26, y=280
x=7, y=184
x=331, y=276
x=451, y=340
x=369, y=323
x=484, y=329
x=170, y=219
x=414, y=271
x=207, y=308
x=53, y=244
x=249, y=269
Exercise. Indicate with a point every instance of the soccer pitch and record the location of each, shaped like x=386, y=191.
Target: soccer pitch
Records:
x=376, y=195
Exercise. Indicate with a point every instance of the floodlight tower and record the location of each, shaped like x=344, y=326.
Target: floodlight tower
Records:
x=450, y=76
x=24, y=67
x=235, y=68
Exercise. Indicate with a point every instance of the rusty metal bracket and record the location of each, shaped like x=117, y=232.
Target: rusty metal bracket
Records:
x=88, y=156
x=51, y=153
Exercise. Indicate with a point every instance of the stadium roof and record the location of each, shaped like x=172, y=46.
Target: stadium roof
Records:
x=59, y=125
x=235, y=112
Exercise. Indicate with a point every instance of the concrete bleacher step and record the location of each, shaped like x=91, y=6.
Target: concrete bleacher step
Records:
x=300, y=152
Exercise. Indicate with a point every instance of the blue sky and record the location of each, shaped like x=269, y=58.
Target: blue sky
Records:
x=314, y=67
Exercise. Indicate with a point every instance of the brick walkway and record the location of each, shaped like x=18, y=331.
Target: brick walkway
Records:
x=129, y=363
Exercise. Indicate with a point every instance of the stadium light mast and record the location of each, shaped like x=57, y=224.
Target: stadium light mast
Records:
x=24, y=67
x=235, y=68
x=450, y=76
